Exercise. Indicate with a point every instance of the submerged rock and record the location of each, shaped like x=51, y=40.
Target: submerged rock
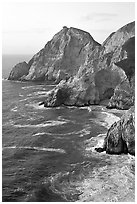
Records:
x=121, y=135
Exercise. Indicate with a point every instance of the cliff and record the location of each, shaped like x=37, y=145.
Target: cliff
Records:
x=85, y=72
x=59, y=59
x=124, y=93
x=99, y=76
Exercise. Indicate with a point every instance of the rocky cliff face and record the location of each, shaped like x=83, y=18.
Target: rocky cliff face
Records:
x=20, y=70
x=124, y=93
x=121, y=135
x=101, y=72
x=85, y=71
x=60, y=58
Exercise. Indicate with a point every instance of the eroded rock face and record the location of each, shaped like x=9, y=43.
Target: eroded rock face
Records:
x=123, y=97
x=100, y=76
x=124, y=94
x=78, y=92
x=121, y=135
x=61, y=57
x=20, y=70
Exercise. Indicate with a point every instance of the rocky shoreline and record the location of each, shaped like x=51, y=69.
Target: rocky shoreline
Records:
x=112, y=180
x=86, y=73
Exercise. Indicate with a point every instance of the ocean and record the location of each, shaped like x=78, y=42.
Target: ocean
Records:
x=48, y=153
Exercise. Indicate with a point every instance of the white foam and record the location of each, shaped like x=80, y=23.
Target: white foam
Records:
x=39, y=133
x=110, y=119
x=48, y=123
x=36, y=148
x=21, y=95
x=25, y=99
x=87, y=108
x=14, y=109
x=84, y=132
x=37, y=106
x=39, y=93
x=81, y=133
x=33, y=86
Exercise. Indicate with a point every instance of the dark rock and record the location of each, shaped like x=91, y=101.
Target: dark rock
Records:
x=121, y=135
x=42, y=103
x=100, y=149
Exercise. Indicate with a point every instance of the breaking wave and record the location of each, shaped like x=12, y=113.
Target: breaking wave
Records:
x=36, y=148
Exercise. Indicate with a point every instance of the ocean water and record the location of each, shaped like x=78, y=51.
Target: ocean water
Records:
x=48, y=153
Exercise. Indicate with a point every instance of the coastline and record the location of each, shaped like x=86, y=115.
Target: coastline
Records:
x=115, y=181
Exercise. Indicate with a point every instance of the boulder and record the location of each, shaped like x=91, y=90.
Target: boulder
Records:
x=121, y=135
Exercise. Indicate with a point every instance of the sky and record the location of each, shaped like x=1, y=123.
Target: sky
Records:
x=28, y=25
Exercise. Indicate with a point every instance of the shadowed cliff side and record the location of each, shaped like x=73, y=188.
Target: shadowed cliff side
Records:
x=124, y=93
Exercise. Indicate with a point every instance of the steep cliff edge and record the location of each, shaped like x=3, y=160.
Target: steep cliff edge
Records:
x=60, y=58
x=100, y=74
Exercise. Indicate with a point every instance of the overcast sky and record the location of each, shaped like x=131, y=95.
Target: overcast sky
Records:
x=27, y=26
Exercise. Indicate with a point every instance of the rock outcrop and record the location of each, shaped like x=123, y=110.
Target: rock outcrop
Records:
x=100, y=75
x=20, y=70
x=121, y=135
x=60, y=58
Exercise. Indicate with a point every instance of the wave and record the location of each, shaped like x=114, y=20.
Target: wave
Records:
x=14, y=109
x=37, y=106
x=33, y=86
x=105, y=119
x=21, y=95
x=48, y=123
x=81, y=133
x=36, y=148
x=39, y=93
x=87, y=107
x=39, y=133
